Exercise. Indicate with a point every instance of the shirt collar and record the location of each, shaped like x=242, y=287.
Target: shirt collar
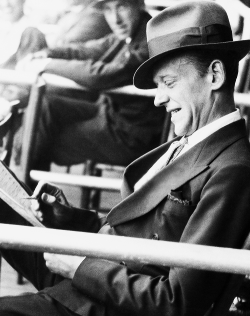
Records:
x=78, y=8
x=212, y=127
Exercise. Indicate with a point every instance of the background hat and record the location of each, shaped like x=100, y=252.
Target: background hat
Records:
x=99, y=3
x=189, y=25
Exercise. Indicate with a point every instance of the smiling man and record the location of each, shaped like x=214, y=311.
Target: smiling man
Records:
x=188, y=86
x=199, y=195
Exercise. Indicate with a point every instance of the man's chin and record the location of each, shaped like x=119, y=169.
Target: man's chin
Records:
x=122, y=35
x=179, y=132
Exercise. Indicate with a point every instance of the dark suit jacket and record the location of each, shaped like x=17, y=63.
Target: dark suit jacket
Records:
x=108, y=63
x=32, y=40
x=79, y=27
x=213, y=178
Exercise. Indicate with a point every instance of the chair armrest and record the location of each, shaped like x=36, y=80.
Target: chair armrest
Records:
x=99, y=183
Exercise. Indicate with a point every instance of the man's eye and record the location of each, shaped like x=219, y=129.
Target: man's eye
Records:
x=169, y=84
x=106, y=10
x=121, y=7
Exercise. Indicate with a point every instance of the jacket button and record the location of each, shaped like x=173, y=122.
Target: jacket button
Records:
x=123, y=263
x=155, y=237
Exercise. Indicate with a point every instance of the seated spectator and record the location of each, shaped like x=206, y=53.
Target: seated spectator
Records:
x=18, y=39
x=21, y=38
x=108, y=128
x=17, y=36
x=83, y=22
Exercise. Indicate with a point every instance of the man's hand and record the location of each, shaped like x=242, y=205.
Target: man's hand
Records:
x=35, y=63
x=41, y=54
x=51, y=195
x=64, y=265
x=5, y=108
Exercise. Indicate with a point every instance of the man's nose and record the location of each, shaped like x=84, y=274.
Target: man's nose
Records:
x=161, y=98
x=116, y=17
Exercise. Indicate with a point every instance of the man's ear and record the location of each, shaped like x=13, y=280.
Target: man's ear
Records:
x=217, y=74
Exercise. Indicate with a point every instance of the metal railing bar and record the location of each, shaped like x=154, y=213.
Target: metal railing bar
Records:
x=21, y=78
x=125, y=249
x=241, y=99
x=14, y=77
x=99, y=183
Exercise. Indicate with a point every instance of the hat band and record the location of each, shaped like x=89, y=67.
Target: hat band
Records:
x=216, y=33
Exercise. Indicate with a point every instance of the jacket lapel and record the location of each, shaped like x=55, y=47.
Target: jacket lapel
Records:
x=155, y=190
x=186, y=167
x=140, y=166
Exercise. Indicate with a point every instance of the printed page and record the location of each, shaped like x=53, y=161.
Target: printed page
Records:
x=12, y=192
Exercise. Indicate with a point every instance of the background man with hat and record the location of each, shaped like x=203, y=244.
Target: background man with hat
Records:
x=103, y=127
x=200, y=196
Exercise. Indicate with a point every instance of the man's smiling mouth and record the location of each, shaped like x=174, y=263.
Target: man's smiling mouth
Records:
x=173, y=112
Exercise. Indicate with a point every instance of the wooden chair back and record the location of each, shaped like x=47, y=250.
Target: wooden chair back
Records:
x=7, y=131
x=222, y=305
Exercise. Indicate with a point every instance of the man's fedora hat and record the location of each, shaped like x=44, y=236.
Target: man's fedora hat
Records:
x=99, y=3
x=195, y=25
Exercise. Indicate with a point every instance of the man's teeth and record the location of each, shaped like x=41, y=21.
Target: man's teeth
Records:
x=175, y=111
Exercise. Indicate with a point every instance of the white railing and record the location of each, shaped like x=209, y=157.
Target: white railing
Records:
x=241, y=99
x=23, y=78
x=92, y=182
x=125, y=249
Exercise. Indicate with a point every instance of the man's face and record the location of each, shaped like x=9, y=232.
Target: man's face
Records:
x=122, y=17
x=185, y=94
x=78, y=2
x=12, y=9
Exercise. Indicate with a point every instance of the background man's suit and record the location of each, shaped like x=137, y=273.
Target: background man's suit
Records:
x=80, y=26
x=185, y=202
x=107, y=128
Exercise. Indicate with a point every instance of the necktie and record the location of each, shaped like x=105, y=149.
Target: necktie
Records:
x=164, y=160
x=176, y=150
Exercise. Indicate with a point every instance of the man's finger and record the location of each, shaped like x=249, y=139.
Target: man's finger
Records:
x=48, y=199
x=39, y=188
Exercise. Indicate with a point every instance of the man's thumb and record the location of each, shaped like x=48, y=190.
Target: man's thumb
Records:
x=48, y=199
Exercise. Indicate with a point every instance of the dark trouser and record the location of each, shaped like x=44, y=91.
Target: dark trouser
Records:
x=32, y=305
x=32, y=266
x=71, y=131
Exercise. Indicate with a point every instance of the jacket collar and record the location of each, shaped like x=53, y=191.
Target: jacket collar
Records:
x=142, y=201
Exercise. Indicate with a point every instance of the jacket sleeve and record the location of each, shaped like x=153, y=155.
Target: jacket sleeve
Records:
x=102, y=74
x=92, y=49
x=82, y=220
x=219, y=219
x=32, y=40
x=79, y=27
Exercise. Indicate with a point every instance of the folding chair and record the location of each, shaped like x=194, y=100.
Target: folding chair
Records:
x=30, y=124
x=222, y=305
x=7, y=132
x=90, y=193
x=91, y=197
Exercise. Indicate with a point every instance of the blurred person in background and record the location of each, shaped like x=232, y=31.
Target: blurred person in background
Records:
x=18, y=38
x=17, y=35
x=105, y=128
x=82, y=22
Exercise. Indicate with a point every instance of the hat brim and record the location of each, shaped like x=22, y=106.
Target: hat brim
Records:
x=99, y=4
x=143, y=77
